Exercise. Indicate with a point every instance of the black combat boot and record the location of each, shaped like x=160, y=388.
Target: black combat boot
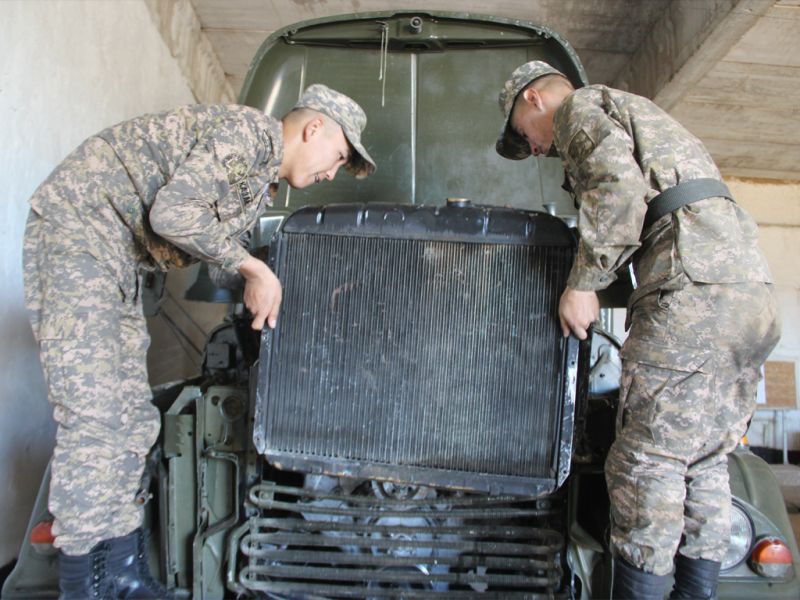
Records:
x=128, y=567
x=695, y=578
x=84, y=577
x=115, y=568
x=631, y=583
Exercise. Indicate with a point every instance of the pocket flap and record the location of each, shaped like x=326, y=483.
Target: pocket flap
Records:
x=68, y=326
x=677, y=358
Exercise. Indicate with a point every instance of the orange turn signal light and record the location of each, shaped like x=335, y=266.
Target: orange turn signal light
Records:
x=771, y=557
x=42, y=533
x=42, y=538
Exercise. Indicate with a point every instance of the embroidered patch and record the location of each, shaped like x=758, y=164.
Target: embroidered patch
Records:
x=236, y=167
x=580, y=147
x=245, y=194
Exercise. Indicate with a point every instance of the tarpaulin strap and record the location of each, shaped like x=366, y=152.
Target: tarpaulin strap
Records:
x=684, y=193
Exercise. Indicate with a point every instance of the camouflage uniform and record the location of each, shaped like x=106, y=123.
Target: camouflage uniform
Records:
x=158, y=191
x=200, y=176
x=702, y=320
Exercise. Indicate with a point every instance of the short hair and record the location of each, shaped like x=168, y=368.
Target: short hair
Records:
x=544, y=82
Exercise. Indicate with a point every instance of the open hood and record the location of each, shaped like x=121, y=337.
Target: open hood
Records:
x=429, y=84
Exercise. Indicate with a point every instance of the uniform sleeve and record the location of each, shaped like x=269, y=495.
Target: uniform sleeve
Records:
x=610, y=193
x=225, y=279
x=185, y=210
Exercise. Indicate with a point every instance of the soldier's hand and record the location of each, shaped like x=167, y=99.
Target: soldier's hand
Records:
x=577, y=310
x=262, y=292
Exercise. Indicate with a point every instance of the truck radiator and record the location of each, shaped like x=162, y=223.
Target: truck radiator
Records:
x=420, y=345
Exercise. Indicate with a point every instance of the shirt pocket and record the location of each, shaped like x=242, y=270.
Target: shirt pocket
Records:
x=230, y=207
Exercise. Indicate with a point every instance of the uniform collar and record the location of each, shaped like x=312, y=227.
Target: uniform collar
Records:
x=273, y=141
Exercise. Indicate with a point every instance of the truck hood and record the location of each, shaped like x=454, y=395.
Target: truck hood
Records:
x=429, y=83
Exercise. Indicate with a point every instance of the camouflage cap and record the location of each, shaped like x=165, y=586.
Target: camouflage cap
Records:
x=349, y=115
x=509, y=144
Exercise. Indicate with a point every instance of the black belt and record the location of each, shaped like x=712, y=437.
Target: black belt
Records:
x=682, y=194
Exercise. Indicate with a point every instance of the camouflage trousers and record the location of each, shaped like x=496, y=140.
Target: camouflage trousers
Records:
x=690, y=369
x=93, y=342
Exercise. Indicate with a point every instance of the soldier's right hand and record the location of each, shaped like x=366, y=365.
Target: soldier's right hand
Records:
x=262, y=292
x=577, y=310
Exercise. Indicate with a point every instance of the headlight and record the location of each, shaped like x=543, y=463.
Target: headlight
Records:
x=741, y=538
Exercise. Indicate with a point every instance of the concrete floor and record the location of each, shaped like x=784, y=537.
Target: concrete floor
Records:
x=789, y=479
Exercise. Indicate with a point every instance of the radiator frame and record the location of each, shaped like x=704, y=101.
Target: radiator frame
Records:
x=463, y=223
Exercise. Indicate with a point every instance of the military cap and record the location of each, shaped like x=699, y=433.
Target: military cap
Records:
x=509, y=144
x=349, y=115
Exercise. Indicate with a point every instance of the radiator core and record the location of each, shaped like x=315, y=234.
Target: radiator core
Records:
x=423, y=352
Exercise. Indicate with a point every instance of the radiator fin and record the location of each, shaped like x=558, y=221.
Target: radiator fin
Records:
x=443, y=355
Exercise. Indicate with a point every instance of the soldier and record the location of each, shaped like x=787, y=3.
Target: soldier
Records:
x=155, y=192
x=702, y=320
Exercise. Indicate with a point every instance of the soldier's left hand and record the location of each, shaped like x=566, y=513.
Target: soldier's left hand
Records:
x=577, y=310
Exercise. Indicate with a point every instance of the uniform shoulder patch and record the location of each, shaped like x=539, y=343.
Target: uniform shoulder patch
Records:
x=236, y=167
x=580, y=146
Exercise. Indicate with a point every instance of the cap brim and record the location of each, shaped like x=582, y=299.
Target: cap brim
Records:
x=510, y=145
x=360, y=164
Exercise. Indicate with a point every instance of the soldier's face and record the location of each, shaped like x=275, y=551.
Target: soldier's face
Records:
x=323, y=151
x=532, y=120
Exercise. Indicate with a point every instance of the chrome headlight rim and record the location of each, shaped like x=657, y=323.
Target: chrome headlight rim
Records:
x=734, y=558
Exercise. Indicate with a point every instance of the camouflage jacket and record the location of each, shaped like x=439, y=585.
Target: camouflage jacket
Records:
x=202, y=175
x=619, y=151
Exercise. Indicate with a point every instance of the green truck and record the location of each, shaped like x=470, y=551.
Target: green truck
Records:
x=416, y=426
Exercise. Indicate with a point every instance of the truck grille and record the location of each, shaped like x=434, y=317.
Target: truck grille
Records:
x=405, y=545
x=422, y=348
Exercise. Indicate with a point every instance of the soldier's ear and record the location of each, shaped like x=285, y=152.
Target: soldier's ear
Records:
x=312, y=128
x=533, y=97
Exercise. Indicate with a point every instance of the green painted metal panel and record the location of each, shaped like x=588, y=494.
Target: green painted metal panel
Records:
x=429, y=85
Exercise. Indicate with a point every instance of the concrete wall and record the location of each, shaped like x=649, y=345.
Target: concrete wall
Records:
x=68, y=69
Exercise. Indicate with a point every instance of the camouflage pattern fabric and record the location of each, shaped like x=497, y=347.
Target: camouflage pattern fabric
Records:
x=154, y=192
x=620, y=151
x=690, y=368
x=93, y=344
x=203, y=175
x=703, y=321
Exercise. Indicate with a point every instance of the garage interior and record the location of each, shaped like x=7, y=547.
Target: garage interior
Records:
x=729, y=70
